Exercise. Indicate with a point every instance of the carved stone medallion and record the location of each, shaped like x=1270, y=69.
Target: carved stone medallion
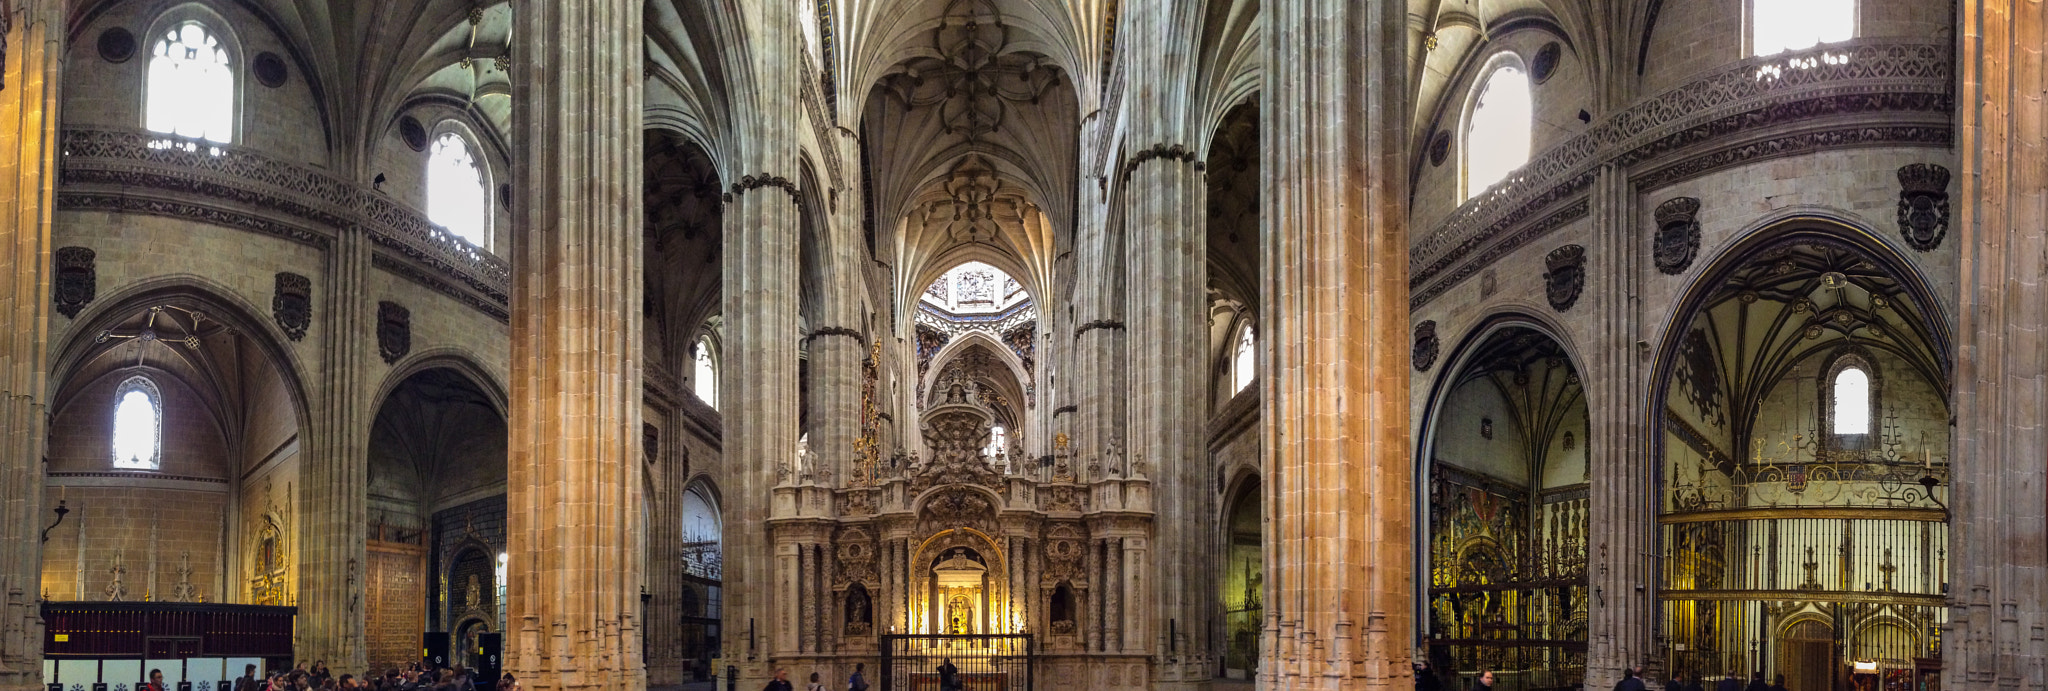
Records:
x=269, y=69
x=1545, y=63
x=292, y=305
x=77, y=280
x=394, y=331
x=412, y=133
x=1678, y=235
x=1566, y=276
x=1923, y=205
x=1439, y=148
x=1425, y=346
x=116, y=44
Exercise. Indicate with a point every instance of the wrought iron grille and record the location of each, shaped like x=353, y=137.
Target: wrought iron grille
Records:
x=986, y=662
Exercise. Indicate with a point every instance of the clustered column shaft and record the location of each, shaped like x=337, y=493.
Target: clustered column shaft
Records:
x=28, y=112
x=573, y=485
x=1334, y=266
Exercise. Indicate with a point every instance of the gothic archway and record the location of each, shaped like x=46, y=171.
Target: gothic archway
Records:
x=1798, y=505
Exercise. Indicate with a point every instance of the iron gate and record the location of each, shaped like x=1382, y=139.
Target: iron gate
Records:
x=910, y=662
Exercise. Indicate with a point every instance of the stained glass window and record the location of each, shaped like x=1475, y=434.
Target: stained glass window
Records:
x=456, y=196
x=1782, y=25
x=191, y=91
x=1852, y=401
x=1245, y=365
x=138, y=425
x=1497, y=137
x=705, y=381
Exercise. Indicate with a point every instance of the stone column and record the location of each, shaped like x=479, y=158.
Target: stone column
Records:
x=1334, y=266
x=1622, y=525
x=1166, y=251
x=34, y=58
x=574, y=482
x=1998, y=618
x=333, y=499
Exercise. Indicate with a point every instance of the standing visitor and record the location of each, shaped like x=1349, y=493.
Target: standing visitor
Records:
x=814, y=685
x=780, y=683
x=857, y=682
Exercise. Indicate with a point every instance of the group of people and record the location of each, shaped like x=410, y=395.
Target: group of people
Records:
x=856, y=682
x=316, y=677
x=1632, y=680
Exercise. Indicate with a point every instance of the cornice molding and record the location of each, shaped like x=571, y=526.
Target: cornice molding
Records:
x=128, y=171
x=1731, y=117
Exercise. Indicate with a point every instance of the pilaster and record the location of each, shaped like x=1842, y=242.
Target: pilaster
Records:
x=1622, y=525
x=1997, y=633
x=34, y=35
x=333, y=499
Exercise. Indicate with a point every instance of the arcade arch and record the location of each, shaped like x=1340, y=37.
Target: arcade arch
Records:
x=1793, y=543
x=1504, y=451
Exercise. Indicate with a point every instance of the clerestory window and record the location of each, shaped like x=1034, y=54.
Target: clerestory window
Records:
x=457, y=198
x=1499, y=131
x=191, y=87
x=138, y=425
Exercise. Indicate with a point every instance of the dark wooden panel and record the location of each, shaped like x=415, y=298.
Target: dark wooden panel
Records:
x=163, y=630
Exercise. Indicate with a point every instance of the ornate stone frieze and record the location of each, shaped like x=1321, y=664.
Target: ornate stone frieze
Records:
x=1565, y=276
x=77, y=280
x=1520, y=238
x=292, y=304
x=394, y=331
x=749, y=183
x=1678, y=234
x=1870, y=76
x=1923, y=205
x=142, y=172
x=1424, y=354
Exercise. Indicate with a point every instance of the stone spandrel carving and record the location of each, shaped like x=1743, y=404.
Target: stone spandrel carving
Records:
x=292, y=304
x=394, y=331
x=957, y=508
x=1566, y=276
x=1923, y=205
x=1426, y=345
x=76, y=281
x=1678, y=235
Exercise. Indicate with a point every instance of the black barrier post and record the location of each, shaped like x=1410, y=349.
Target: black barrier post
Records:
x=732, y=678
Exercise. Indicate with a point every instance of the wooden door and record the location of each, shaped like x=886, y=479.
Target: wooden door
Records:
x=395, y=586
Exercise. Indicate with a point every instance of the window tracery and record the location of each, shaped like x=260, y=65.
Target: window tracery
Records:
x=1499, y=130
x=191, y=87
x=1777, y=26
x=1244, y=365
x=457, y=198
x=705, y=381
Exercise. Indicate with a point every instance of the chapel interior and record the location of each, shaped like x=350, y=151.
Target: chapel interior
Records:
x=1102, y=345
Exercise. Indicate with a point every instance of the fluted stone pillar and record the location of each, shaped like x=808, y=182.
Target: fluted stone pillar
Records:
x=34, y=56
x=574, y=483
x=1998, y=594
x=1334, y=266
x=1622, y=508
x=335, y=501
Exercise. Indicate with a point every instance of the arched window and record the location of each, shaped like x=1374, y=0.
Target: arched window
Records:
x=1245, y=365
x=1852, y=401
x=998, y=440
x=705, y=380
x=138, y=424
x=503, y=561
x=1497, y=134
x=456, y=195
x=1779, y=25
x=191, y=88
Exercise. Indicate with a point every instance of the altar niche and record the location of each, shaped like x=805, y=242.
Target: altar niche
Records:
x=962, y=589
